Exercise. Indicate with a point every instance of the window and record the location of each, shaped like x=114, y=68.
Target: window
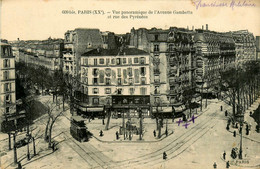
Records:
x=85, y=80
x=157, y=79
x=113, y=61
x=118, y=61
x=130, y=81
x=95, y=101
x=143, y=91
x=129, y=72
x=6, y=75
x=95, y=61
x=119, y=72
x=108, y=72
x=124, y=60
x=156, y=37
x=108, y=91
x=142, y=71
x=142, y=60
x=7, y=98
x=129, y=60
x=101, y=61
x=95, y=81
x=119, y=91
x=108, y=81
x=156, y=48
x=156, y=90
x=6, y=63
x=7, y=87
x=131, y=91
x=136, y=60
x=170, y=47
x=95, y=90
x=85, y=61
x=143, y=80
x=67, y=67
x=95, y=72
x=119, y=81
x=7, y=110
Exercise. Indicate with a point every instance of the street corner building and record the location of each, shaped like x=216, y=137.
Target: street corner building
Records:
x=116, y=80
x=9, y=117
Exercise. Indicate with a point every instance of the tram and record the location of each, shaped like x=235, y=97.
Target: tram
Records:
x=78, y=129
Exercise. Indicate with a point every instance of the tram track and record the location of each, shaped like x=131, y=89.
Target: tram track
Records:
x=93, y=157
x=200, y=130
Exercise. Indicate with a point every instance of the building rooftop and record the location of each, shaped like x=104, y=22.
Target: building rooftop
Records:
x=115, y=52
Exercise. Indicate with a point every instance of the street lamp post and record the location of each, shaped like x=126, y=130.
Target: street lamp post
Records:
x=14, y=143
x=240, y=150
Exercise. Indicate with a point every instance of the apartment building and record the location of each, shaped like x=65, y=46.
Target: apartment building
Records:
x=115, y=78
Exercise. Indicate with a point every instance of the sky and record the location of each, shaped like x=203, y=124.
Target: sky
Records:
x=40, y=19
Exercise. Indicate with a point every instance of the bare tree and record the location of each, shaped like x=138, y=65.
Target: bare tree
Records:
x=53, y=114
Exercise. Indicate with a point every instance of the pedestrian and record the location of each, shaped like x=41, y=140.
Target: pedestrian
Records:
x=224, y=155
x=166, y=132
x=240, y=130
x=227, y=127
x=117, y=135
x=234, y=133
x=250, y=113
x=247, y=131
x=215, y=165
x=154, y=133
x=164, y=155
x=221, y=108
x=227, y=164
x=101, y=133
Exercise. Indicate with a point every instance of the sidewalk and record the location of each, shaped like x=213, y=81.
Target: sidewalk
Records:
x=250, y=143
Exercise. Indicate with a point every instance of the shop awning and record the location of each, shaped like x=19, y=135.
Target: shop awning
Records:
x=162, y=110
x=179, y=109
x=95, y=109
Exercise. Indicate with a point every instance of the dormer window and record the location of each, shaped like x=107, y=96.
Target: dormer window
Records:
x=156, y=37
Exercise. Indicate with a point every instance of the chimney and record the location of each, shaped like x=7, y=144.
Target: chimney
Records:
x=202, y=27
x=207, y=27
x=193, y=28
x=188, y=27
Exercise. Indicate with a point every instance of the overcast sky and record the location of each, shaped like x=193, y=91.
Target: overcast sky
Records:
x=40, y=19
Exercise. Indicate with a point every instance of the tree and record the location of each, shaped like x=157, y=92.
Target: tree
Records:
x=188, y=95
x=53, y=114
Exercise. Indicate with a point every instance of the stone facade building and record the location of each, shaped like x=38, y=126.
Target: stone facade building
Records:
x=215, y=51
x=117, y=78
x=172, y=65
x=9, y=118
x=45, y=53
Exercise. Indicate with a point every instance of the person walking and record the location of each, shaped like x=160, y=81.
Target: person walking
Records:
x=164, y=155
x=117, y=135
x=224, y=155
x=154, y=133
x=101, y=133
x=215, y=165
x=227, y=164
x=234, y=133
